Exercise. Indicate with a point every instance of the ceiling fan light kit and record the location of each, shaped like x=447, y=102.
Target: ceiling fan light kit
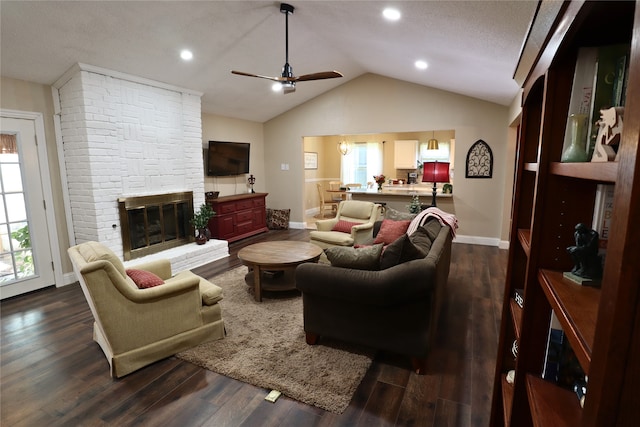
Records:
x=287, y=78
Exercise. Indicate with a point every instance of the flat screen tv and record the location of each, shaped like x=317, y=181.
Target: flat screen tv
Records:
x=228, y=158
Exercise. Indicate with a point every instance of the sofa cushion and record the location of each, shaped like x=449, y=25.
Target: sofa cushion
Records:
x=331, y=238
x=364, y=258
x=397, y=215
x=144, y=279
x=400, y=251
x=344, y=226
x=390, y=230
x=421, y=239
x=433, y=227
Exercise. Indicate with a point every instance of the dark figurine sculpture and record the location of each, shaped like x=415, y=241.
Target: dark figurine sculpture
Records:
x=588, y=264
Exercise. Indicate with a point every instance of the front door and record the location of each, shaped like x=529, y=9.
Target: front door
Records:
x=25, y=251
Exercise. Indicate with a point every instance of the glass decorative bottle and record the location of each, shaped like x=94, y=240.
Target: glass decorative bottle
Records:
x=577, y=150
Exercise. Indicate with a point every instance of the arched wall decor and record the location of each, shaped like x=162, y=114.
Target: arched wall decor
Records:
x=479, y=160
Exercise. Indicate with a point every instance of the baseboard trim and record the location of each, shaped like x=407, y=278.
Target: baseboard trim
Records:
x=477, y=240
x=504, y=244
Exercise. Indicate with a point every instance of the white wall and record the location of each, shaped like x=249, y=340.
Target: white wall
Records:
x=376, y=104
x=125, y=138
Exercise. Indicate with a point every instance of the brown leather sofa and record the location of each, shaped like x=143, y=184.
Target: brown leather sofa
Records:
x=395, y=309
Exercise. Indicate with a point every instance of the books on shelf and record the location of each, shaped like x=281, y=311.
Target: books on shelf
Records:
x=599, y=82
x=561, y=364
x=518, y=296
x=608, y=85
x=602, y=215
x=580, y=102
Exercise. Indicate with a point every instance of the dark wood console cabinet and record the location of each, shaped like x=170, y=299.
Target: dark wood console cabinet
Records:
x=238, y=216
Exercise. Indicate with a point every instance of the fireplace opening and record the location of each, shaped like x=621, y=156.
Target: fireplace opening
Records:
x=154, y=223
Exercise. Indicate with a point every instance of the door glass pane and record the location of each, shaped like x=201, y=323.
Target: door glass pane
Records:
x=16, y=256
x=9, y=173
x=16, y=209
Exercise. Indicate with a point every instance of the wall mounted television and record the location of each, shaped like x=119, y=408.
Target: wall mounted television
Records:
x=228, y=158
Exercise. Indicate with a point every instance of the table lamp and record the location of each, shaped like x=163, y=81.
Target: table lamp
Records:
x=435, y=172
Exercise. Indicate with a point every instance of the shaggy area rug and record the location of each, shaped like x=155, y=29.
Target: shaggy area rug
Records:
x=265, y=346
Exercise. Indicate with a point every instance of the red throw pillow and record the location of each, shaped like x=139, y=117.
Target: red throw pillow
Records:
x=391, y=230
x=144, y=279
x=345, y=226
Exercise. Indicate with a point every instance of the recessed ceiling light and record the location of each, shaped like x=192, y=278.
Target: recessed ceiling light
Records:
x=391, y=14
x=421, y=65
x=187, y=55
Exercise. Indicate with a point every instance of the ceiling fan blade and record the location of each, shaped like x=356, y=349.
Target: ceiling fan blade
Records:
x=275, y=79
x=319, y=76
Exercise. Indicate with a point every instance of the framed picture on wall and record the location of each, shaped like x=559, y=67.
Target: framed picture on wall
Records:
x=310, y=160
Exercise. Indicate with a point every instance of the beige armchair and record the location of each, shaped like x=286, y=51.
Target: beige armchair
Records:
x=364, y=213
x=136, y=327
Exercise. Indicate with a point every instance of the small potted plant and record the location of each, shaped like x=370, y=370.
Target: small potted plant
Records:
x=200, y=222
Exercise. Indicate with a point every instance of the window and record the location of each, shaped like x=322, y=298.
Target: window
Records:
x=364, y=161
x=442, y=154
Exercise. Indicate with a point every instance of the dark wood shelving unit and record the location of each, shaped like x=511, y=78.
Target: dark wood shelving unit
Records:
x=577, y=309
x=551, y=405
x=601, y=324
x=524, y=236
x=603, y=172
x=516, y=315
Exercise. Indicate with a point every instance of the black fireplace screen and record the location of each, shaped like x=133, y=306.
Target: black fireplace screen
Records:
x=152, y=224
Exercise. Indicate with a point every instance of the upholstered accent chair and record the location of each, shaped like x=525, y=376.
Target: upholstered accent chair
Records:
x=138, y=326
x=353, y=225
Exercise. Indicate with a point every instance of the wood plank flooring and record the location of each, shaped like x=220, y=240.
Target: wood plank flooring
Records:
x=53, y=374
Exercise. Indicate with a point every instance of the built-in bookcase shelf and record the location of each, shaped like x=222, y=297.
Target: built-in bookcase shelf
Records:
x=590, y=46
x=576, y=307
x=516, y=315
x=551, y=405
x=507, y=397
x=603, y=172
x=524, y=236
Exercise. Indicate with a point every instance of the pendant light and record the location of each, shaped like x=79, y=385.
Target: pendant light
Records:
x=344, y=147
x=432, y=144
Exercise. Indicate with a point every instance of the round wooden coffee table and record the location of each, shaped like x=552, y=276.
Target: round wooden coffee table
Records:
x=276, y=256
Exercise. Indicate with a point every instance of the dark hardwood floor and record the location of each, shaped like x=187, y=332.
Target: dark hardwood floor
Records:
x=53, y=374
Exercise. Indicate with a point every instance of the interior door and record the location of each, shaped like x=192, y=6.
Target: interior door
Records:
x=25, y=251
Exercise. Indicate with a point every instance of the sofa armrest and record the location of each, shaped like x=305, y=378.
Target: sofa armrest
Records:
x=160, y=267
x=404, y=282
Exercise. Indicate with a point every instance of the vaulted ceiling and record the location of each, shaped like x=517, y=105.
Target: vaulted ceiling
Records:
x=472, y=47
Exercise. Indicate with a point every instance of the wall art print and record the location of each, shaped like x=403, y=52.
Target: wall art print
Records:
x=479, y=161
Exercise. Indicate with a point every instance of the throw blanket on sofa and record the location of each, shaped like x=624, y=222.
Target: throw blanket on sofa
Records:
x=444, y=218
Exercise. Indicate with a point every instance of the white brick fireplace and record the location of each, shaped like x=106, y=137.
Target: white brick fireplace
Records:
x=125, y=136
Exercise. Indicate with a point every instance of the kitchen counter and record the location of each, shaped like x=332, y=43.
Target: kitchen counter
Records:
x=399, y=196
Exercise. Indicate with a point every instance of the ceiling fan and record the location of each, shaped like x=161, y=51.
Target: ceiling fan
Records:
x=287, y=79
